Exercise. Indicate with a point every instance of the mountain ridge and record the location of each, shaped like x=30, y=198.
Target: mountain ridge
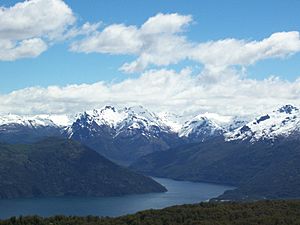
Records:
x=125, y=134
x=60, y=167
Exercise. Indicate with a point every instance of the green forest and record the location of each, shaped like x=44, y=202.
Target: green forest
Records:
x=225, y=213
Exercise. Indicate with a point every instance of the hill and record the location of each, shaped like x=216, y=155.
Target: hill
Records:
x=58, y=167
x=264, y=212
x=260, y=170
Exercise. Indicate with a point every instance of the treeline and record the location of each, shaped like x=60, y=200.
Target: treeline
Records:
x=231, y=213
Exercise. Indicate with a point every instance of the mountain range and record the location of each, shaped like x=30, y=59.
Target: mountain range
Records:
x=146, y=131
x=122, y=135
x=207, y=147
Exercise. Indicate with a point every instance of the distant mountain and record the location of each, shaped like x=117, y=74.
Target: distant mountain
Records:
x=235, y=123
x=126, y=134
x=281, y=123
x=26, y=129
x=122, y=135
x=173, y=121
x=261, y=158
x=208, y=147
x=56, y=167
x=200, y=129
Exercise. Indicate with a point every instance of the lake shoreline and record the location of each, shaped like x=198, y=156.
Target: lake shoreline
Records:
x=179, y=192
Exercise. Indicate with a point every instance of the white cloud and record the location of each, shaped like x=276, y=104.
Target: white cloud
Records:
x=10, y=51
x=86, y=29
x=165, y=23
x=35, y=18
x=114, y=39
x=157, y=41
x=160, y=90
x=161, y=41
x=228, y=52
x=27, y=27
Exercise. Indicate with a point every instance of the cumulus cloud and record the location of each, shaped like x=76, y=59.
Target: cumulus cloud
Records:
x=228, y=52
x=161, y=41
x=157, y=41
x=26, y=48
x=114, y=39
x=28, y=27
x=160, y=90
x=86, y=29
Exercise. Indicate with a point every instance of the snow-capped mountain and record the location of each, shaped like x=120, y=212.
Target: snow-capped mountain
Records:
x=108, y=116
x=27, y=129
x=95, y=122
x=119, y=121
x=43, y=120
x=124, y=134
x=206, y=126
x=173, y=121
x=131, y=121
x=200, y=129
x=235, y=123
x=139, y=119
x=281, y=123
x=34, y=121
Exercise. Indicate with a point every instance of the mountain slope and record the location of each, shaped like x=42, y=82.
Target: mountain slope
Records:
x=56, y=167
x=122, y=135
x=261, y=158
x=259, y=170
x=24, y=129
x=278, y=178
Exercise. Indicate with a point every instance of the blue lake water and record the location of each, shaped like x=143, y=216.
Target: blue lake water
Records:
x=179, y=192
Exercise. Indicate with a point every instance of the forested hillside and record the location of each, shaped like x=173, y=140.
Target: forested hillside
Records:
x=58, y=167
x=264, y=212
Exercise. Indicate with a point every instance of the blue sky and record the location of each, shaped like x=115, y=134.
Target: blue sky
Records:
x=212, y=20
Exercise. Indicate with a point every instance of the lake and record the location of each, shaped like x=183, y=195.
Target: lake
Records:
x=179, y=192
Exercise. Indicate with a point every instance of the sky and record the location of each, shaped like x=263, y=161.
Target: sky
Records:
x=229, y=57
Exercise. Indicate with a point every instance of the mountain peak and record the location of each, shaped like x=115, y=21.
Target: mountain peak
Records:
x=109, y=107
x=280, y=123
x=288, y=109
x=107, y=115
x=137, y=109
x=200, y=128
